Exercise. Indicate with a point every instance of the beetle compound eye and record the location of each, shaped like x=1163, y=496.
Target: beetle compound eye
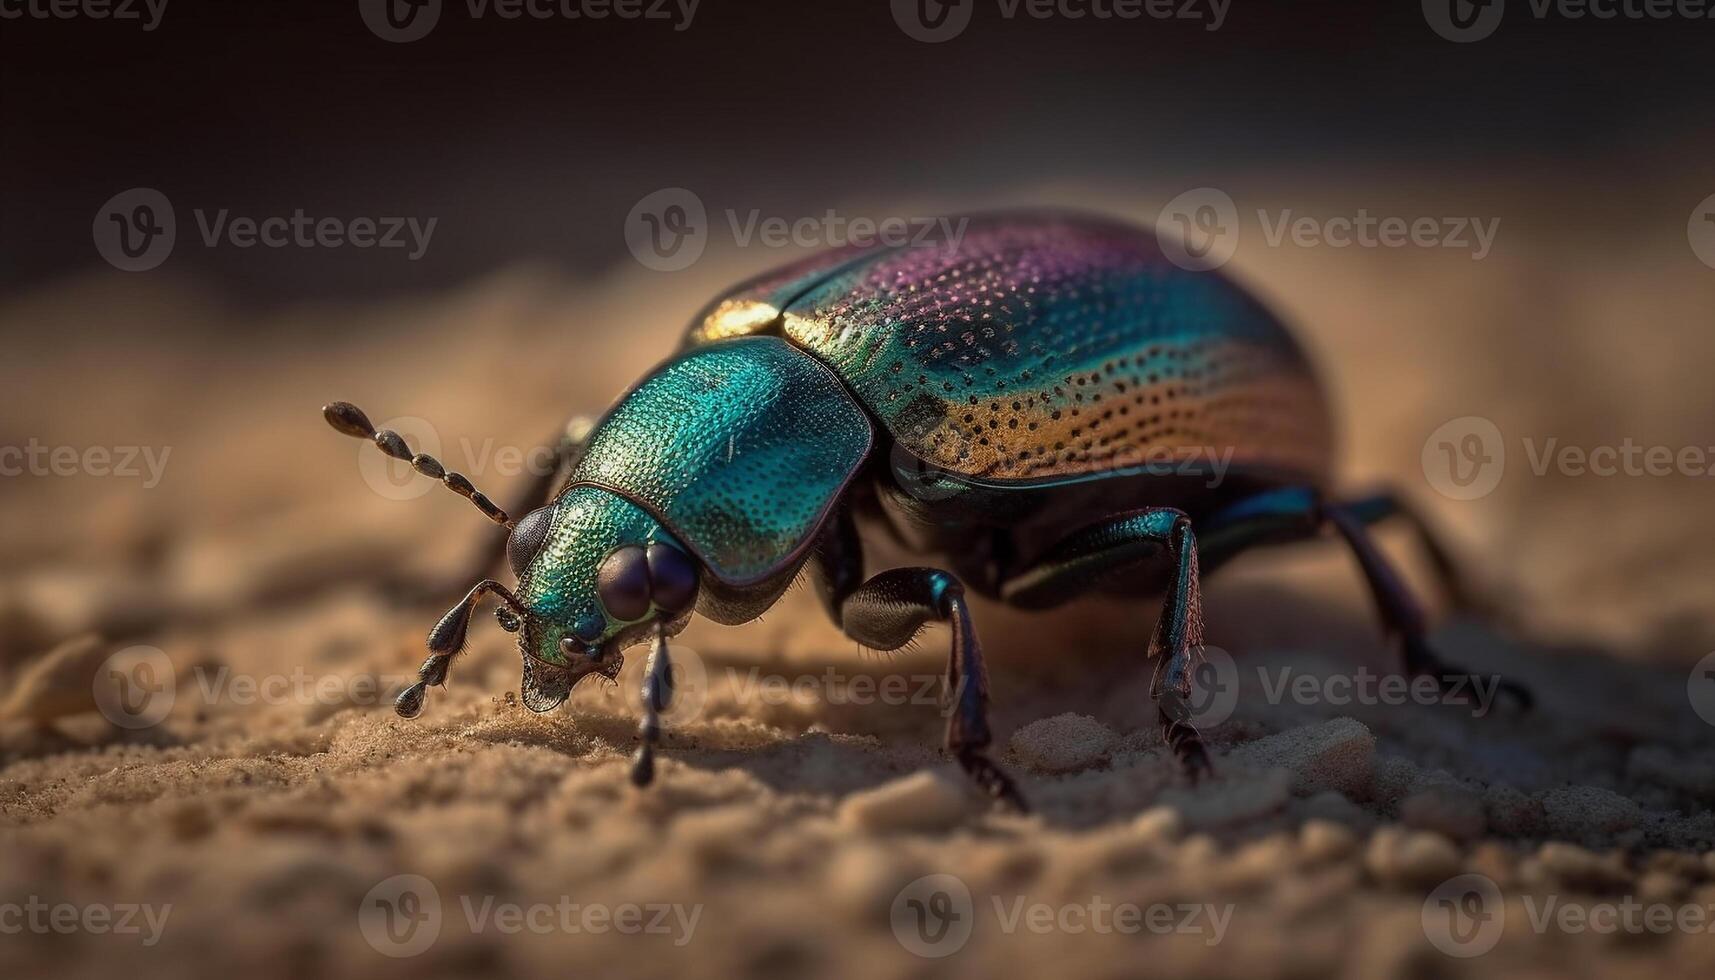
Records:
x=622, y=582
x=527, y=537
x=507, y=618
x=672, y=578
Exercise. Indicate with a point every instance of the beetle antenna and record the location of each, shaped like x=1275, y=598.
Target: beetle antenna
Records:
x=657, y=695
x=349, y=419
x=445, y=642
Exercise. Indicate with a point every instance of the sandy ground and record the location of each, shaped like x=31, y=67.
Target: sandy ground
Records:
x=257, y=601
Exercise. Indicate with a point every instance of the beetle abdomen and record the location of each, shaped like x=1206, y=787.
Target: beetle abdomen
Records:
x=1045, y=347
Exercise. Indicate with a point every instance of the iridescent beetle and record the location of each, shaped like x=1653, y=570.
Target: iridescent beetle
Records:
x=1048, y=404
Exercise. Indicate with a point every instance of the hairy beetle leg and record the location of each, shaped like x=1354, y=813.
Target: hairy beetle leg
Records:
x=887, y=611
x=1178, y=722
x=445, y=642
x=1087, y=556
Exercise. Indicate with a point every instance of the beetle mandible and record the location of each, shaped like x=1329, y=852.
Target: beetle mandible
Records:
x=1049, y=405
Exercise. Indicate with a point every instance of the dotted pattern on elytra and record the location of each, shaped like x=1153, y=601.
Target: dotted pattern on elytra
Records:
x=1050, y=346
x=741, y=447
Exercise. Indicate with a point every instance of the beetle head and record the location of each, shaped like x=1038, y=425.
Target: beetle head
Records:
x=596, y=574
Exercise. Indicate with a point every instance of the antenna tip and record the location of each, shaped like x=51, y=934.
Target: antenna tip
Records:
x=349, y=419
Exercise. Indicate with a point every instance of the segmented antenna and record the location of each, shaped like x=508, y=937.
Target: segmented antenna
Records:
x=349, y=419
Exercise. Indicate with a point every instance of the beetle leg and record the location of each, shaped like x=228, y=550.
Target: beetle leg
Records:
x=445, y=642
x=1401, y=614
x=1178, y=643
x=887, y=611
x=1457, y=586
x=1085, y=557
x=1278, y=516
x=657, y=695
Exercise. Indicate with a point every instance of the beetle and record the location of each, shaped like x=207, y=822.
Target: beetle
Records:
x=1049, y=405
